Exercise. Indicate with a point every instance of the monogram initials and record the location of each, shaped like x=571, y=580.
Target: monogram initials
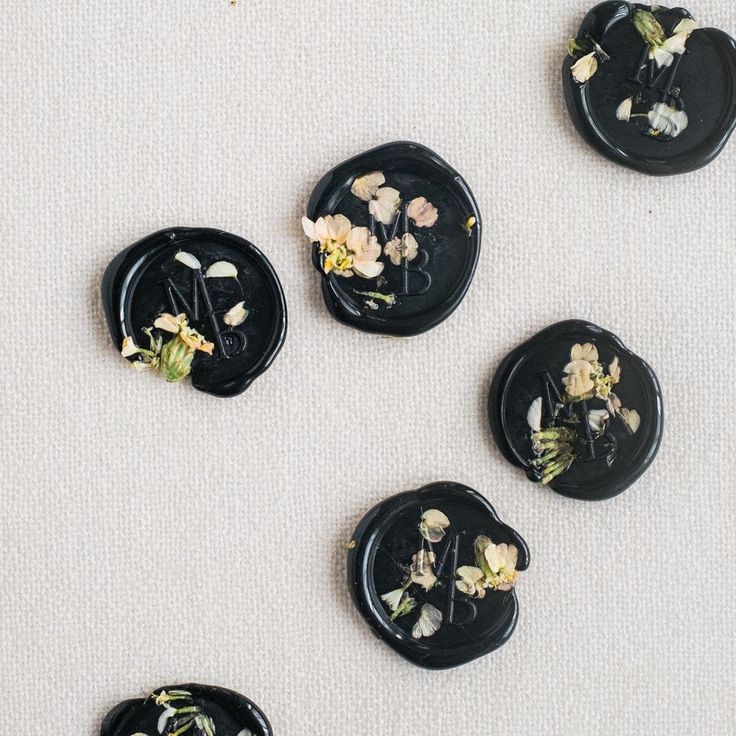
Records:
x=229, y=342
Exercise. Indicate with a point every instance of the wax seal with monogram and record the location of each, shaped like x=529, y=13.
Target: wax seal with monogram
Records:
x=650, y=88
x=395, y=235
x=577, y=410
x=187, y=710
x=199, y=302
x=433, y=572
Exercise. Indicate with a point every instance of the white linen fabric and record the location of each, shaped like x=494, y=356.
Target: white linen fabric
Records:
x=151, y=534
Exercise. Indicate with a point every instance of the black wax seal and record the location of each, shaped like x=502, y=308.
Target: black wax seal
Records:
x=191, y=710
x=433, y=572
x=649, y=89
x=577, y=410
x=199, y=302
x=396, y=237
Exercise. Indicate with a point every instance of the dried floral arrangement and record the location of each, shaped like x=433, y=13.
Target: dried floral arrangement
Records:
x=666, y=118
x=181, y=716
x=173, y=359
x=495, y=570
x=348, y=250
x=568, y=426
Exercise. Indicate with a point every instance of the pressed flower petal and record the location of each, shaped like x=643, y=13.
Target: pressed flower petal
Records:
x=140, y=365
x=534, y=415
x=391, y=249
x=368, y=269
x=686, y=25
x=309, y=231
x=422, y=212
x=167, y=322
x=164, y=717
x=409, y=246
x=235, y=315
x=393, y=598
x=585, y=67
x=662, y=57
x=245, y=732
x=188, y=260
x=339, y=228
x=632, y=419
x=597, y=419
x=385, y=205
x=623, y=111
x=433, y=525
x=129, y=347
x=206, y=347
x=365, y=187
x=321, y=230
x=667, y=119
x=429, y=621
x=676, y=44
x=222, y=270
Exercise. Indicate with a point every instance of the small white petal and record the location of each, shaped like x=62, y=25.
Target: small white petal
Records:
x=585, y=67
x=393, y=599
x=385, y=206
x=167, y=322
x=235, y=315
x=534, y=415
x=623, y=111
x=365, y=187
x=632, y=419
x=129, y=347
x=308, y=227
x=686, y=25
x=429, y=621
x=222, y=270
x=187, y=259
x=368, y=269
x=164, y=717
x=245, y=732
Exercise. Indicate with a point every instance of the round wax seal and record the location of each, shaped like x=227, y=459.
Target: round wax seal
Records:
x=199, y=302
x=577, y=410
x=433, y=572
x=194, y=710
x=395, y=234
x=649, y=89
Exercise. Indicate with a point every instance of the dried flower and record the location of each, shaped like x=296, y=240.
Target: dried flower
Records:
x=222, y=270
x=421, y=571
x=188, y=260
x=471, y=581
x=429, y=621
x=534, y=415
x=422, y=212
x=393, y=598
x=365, y=251
x=406, y=605
x=330, y=231
x=614, y=369
x=623, y=111
x=666, y=120
x=385, y=205
x=129, y=347
x=469, y=224
x=235, y=315
x=598, y=419
x=177, y=354
x=498, y=563
x=404, y=247
x=389, y=299
x=365, y=187
x=577, y=380
x=433, y=524
x=585, y=67
x=186, y=717
x=661, y=48
x=631, y=418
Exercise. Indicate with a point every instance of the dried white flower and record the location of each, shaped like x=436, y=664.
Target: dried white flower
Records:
x=429, y=621
x=235, y=315
x=667, y=120
x=169, y=322
x=385, y=205
x=129, y=347
x=421, y=569
x=597, y=419
x=188, y=260
x=534, y=415
x=393, y=598
x=632, y=419
x=433, y=524
x=623, y=111
x=585, y=67
x=365, y=187
x=471, y=581
x=164, y=717
x=422, y=212
x=222, y=270
x=404, y=247
x=365, y=250
x=586, y=351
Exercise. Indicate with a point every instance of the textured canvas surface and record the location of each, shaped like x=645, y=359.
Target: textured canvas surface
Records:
x=151, y=534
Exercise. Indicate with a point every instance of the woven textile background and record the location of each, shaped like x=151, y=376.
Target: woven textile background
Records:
x=150, y=534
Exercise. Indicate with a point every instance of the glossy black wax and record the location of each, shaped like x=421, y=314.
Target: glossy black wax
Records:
x=134, y=293
x=519, y=380
x=387, y=537
x=448, y=254
x=704, y=80
x=230, y=711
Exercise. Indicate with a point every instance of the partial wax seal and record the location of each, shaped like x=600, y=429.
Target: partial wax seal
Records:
x=195, y=302
x=577, y=410
x=191, y=710
x=395, y=235
x=649, y=88
x=434, y=572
